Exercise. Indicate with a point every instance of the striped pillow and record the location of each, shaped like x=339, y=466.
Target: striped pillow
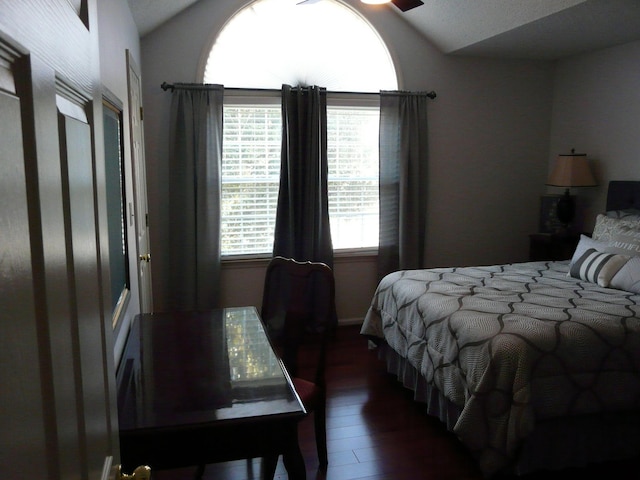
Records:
x=597, y=267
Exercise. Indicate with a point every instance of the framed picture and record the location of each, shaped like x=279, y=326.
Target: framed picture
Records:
x=549, y=222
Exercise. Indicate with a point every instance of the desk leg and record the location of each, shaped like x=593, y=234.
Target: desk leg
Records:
x=292, y=457
x=268, y=467
x=295, y=466
x=294, y=463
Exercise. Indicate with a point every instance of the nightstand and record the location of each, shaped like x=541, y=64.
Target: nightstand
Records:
x=552, y=246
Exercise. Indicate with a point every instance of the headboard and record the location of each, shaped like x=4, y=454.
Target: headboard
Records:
x=623, y=195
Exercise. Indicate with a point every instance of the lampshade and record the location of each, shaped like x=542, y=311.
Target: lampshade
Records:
x=572, y=171
x=375, y=2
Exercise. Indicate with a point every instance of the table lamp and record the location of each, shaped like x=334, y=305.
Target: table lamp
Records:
x=571, y=170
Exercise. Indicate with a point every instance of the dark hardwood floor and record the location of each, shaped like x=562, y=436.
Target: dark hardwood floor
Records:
x=375, y=431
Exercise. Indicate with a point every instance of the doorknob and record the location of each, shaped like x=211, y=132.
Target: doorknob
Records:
x=140, y=473
x=145, y=257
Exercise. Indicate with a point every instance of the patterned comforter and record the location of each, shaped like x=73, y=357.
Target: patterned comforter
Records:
x=512, y=344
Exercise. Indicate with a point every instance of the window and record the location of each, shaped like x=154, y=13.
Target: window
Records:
x=255, y=48
x=352, y=59
x=352, y=148
x=250, y=178
x=251, y=168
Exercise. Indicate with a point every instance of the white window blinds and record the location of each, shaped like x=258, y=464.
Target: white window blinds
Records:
x=250, y=177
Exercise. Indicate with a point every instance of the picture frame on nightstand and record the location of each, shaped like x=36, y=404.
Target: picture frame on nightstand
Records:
x=549, y=222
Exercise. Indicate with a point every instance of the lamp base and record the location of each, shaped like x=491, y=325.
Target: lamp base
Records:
x=566, y=208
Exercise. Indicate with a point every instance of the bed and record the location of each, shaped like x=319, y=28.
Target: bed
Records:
x=531, y=365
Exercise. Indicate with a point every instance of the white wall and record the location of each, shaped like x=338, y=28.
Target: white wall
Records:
x=596, y=110
x=118, y=33
x=488, y=134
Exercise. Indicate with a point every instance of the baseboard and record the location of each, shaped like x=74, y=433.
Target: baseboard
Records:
x=343, y=322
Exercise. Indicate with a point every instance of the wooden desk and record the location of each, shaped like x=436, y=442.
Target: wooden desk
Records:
x=197, y=388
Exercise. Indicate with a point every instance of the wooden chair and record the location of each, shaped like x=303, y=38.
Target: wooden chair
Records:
x=298, y=309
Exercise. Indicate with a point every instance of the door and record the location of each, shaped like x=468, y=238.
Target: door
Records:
x=58, y=408
x=139, y=185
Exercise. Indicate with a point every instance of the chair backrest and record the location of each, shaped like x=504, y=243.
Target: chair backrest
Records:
x=298, y=308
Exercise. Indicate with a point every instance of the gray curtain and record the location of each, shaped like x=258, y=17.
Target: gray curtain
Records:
x=302, y=219
x=403, y=181
x=195, y=153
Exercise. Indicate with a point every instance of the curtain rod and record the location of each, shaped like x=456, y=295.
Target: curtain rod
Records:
x=197, y=86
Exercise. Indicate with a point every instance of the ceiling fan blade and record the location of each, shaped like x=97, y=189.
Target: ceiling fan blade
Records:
x=405, y=5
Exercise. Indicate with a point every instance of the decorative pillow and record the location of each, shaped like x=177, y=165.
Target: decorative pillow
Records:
x=628, y=277
x=625, y=239
x=628, y=214
x=597, y=267
x=605, y=226
x=584, y=244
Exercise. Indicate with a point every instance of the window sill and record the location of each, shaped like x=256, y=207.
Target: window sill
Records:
x=339, y=256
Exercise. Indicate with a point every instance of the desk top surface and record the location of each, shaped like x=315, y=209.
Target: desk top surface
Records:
x=181, y=369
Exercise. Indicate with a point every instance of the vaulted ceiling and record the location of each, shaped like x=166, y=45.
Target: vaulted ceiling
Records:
x=535, y=29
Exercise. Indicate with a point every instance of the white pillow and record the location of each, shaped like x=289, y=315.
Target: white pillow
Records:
x=628, y=277
x=584, y=244
x=597, y=267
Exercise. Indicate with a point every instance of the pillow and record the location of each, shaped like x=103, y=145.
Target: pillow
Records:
x=625, y=239
x=584, y=244
x=597, y=267
x=628, y=277
x=606, y=225
x=628, y=214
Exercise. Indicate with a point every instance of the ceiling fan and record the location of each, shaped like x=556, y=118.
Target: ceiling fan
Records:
x=403, y=5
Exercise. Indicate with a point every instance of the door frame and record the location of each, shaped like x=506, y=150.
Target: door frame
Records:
x=140, y=202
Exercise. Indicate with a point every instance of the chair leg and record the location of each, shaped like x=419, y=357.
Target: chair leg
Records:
x=320, y=427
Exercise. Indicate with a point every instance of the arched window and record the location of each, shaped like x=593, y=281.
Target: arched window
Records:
x=324, y=43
